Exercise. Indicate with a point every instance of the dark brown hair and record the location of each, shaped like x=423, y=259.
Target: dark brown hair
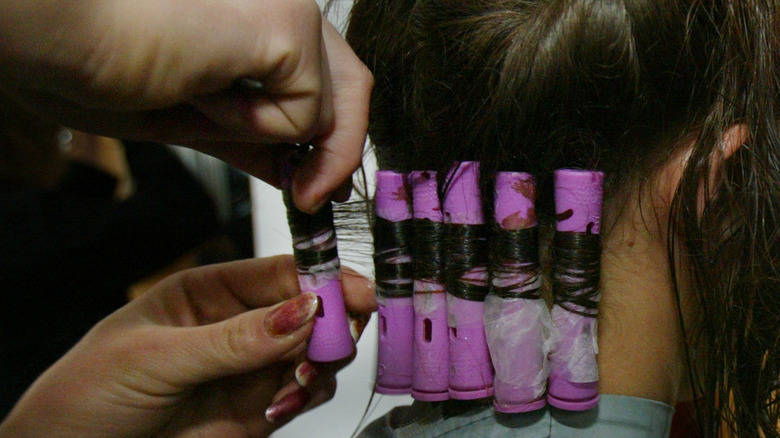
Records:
x=611, y=84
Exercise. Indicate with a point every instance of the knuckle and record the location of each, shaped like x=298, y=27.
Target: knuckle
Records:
x=237, y=340
x=285, y=274
x=310, y=126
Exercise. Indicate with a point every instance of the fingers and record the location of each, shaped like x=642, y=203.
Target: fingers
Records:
x=359, y=292
x=260, y=161
x=338, y=135
x=295, y=398
x=338, y=152
x=216, y=292
x=244, y=343
x=252, y=283
x=294, y=103
x=315, y=89
x=227, y=337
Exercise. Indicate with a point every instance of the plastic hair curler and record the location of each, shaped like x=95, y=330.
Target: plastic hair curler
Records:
x=393, y=266
x=319, y=272
x=430, y=381
x=517, y=320
x=471, y=373
x=576, y=265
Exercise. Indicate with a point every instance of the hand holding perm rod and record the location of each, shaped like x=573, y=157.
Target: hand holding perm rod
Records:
x=319, y=272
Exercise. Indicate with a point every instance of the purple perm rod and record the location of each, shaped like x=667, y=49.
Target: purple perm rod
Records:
x=471, y=373
x=430, y=381
x=517, y=320
x=319, y=272
x=393, y=268
x=576, y=266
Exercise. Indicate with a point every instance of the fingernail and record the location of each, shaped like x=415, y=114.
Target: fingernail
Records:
x=357, y=323
x=291, y=315
x=306, y=373
x=289, y=405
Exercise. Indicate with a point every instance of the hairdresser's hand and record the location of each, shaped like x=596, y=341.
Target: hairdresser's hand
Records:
x=202, y=354
x=165, y=70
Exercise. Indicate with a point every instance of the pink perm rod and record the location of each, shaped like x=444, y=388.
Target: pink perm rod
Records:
x=517, y=321
x=430, y=381
x=471, y=373
x=573, y=359
x=393, y=260
x=319, y=272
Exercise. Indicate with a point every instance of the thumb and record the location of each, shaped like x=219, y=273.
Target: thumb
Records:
x=243, y=343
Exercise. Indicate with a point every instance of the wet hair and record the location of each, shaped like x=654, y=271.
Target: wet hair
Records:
x=515, y=255
x=467, y=250
x=576, y=263
x=392, y=257
x=314, y=238
x=614, y=85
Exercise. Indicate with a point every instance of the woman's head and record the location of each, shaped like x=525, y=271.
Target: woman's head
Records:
x=643, y=90
x=538, y=85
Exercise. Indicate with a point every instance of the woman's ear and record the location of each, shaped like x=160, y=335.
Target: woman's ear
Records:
x=732, y=140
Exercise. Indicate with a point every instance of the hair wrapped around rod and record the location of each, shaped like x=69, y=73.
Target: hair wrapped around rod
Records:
x=430, y=381
x=517, y=320
x=319, y=272
x=573, y=367
x=576, y=269
x=466, y=278
x=515, y=260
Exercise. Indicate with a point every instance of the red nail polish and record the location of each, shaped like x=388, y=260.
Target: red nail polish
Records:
x=357, y=323
x=287, y=406
x=291, y=315
x=306, y=373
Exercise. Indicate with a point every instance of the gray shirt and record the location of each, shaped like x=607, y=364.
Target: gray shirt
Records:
x=615, y=417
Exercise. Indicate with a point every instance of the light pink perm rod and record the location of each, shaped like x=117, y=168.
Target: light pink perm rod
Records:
x=430, y=381
x=517, y=327
x=394, y=293
x=573, y=367
x=471, y=373
x=319, y=272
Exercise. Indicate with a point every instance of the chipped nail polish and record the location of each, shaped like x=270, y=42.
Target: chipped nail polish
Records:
x=305, y=373
x=291, y=315
x=357, y=323
x=287, y=406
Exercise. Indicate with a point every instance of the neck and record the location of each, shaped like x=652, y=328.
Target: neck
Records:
x=641, y=350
